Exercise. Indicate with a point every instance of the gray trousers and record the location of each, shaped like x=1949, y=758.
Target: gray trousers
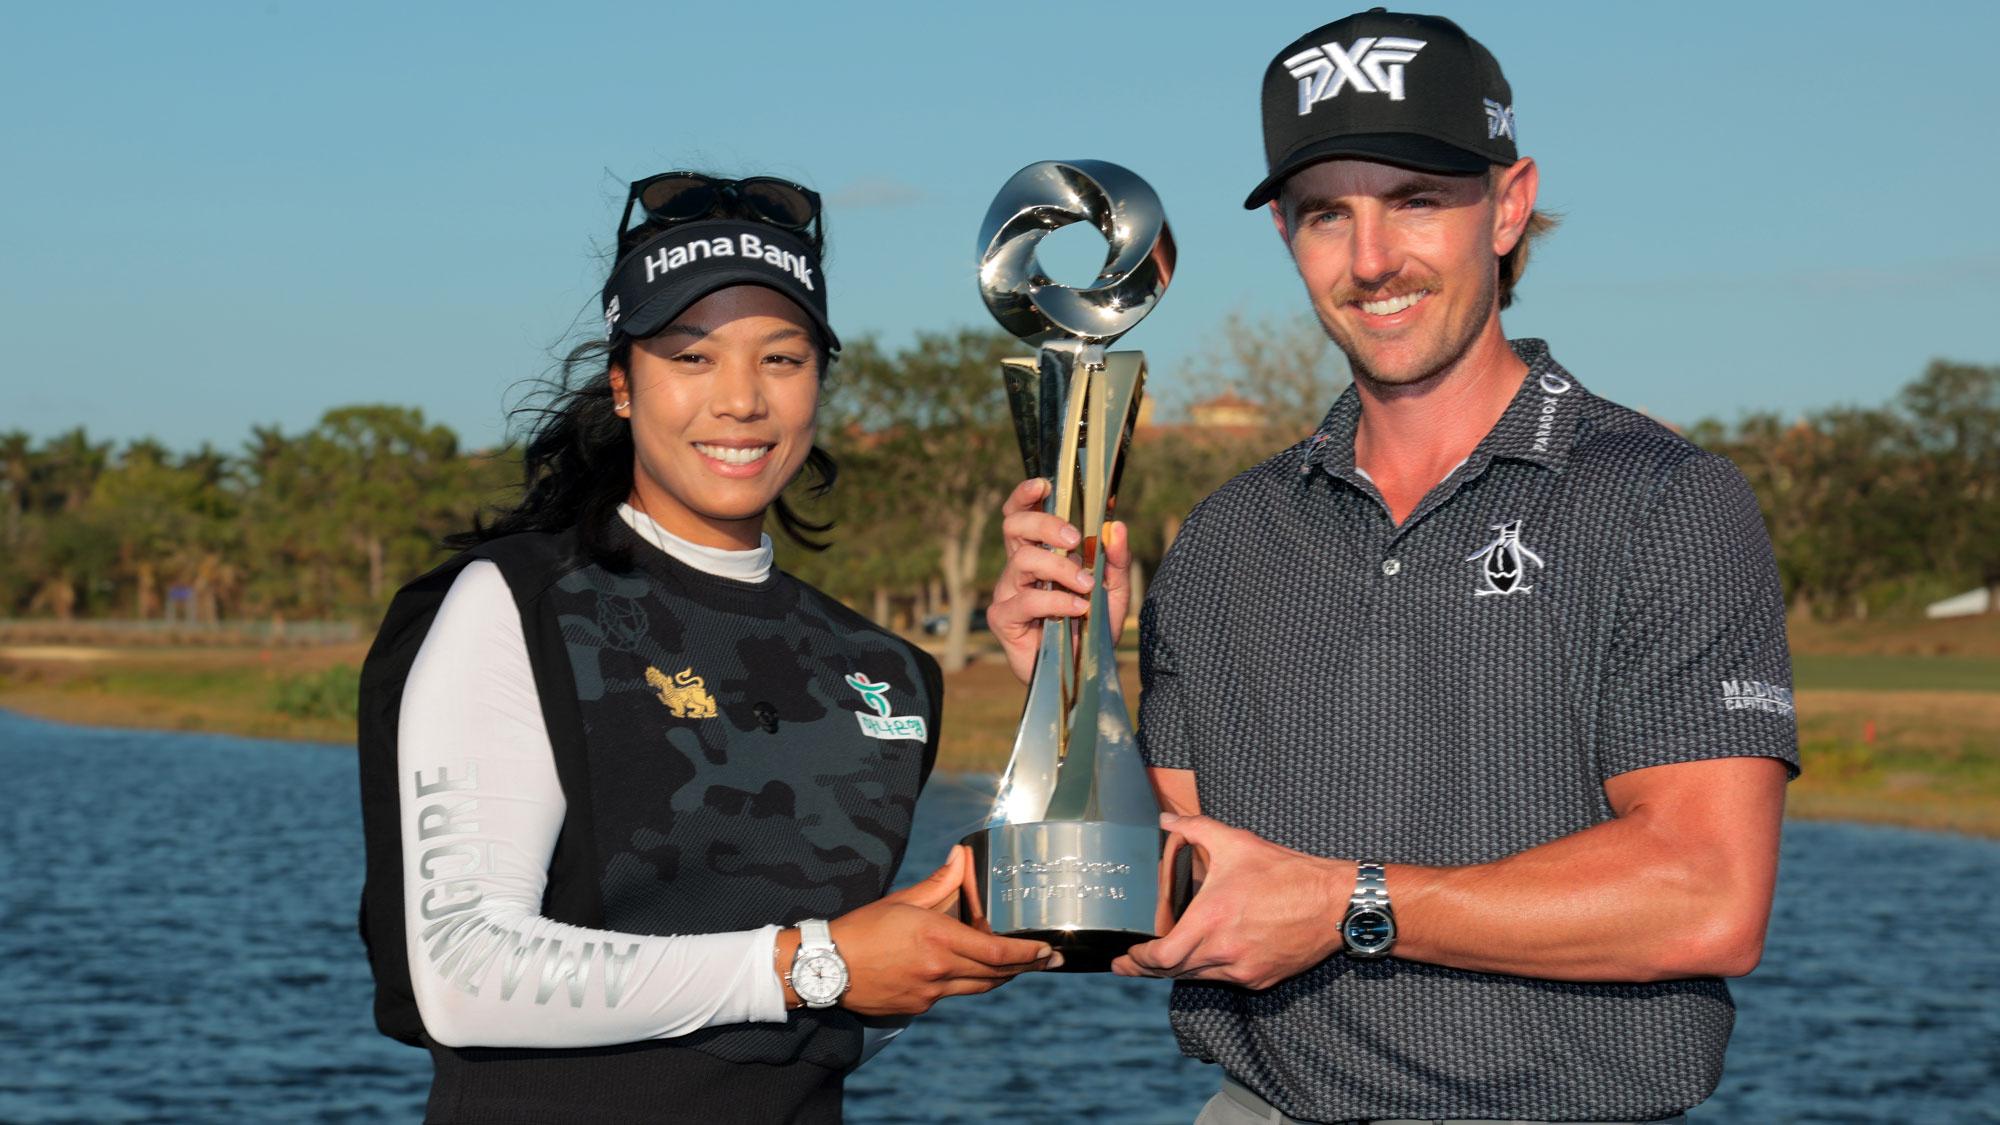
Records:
x=1236, y=1104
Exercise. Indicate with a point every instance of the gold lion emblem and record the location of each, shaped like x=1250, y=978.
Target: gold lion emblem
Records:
x=685, y=694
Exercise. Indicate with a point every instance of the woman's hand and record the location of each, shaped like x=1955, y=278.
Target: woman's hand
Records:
x=1020, y=604
x=907, y=951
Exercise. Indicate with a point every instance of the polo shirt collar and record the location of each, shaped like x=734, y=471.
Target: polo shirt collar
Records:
x=1539, y=425
x=1331, y=446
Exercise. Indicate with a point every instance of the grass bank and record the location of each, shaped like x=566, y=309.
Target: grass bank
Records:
x=1816, y=671
x=293, y=693
x=1930, y=759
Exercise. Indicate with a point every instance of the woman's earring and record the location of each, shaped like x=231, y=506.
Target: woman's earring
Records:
x=623, y=405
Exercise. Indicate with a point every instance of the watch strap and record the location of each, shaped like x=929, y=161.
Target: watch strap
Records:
x=1371, y=886
x=815, y=935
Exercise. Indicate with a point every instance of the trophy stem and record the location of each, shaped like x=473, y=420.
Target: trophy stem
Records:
x=1030, y=779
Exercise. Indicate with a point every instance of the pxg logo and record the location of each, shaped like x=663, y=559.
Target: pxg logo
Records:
x=1371, y=66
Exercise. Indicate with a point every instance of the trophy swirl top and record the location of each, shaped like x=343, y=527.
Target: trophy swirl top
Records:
x=1055, y=193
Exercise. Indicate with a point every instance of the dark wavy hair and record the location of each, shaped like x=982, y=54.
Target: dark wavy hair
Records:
x=576, y=467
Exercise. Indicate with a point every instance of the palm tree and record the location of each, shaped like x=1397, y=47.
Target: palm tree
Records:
x=71, y=465
x=16, y=474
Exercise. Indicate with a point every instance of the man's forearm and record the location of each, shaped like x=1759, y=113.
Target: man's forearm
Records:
x=1677, y=885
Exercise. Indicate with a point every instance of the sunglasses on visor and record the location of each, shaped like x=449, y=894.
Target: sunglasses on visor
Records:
x=681, y=197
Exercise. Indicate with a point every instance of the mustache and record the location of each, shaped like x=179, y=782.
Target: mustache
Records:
x=1389, y=290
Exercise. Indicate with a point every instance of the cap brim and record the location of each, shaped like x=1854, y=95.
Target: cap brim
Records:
x=672, y=300
x=1407, y=150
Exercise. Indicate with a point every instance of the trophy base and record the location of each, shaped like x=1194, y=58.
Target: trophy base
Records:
x=1091, y=889
x=1085, y=951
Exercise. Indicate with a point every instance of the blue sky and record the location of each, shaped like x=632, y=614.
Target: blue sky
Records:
x=218, y=215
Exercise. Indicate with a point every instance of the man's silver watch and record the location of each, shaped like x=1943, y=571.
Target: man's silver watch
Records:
x=818, y=974
x=1369, y=929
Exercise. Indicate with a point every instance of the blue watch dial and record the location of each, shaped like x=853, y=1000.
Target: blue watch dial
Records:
x=1369, y=929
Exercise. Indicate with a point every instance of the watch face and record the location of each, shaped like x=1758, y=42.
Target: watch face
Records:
x=819, y=978
x=1369, y=930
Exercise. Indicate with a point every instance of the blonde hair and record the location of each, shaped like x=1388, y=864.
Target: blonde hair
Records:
x=1515, y=262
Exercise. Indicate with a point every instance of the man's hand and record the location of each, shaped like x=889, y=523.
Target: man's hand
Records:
x=1020, y=601
x=1264, y=912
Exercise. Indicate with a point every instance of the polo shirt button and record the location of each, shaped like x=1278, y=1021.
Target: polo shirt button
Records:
x=1391, y=566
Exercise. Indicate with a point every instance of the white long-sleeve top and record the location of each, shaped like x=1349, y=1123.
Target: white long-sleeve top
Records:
x=481, y=808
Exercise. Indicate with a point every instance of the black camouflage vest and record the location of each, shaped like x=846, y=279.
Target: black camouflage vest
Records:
x=732, y=755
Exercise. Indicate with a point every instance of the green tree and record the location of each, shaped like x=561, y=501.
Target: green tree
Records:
x=69, y=467
x=1860, y=499
x=1286, y=364
x=16, y=477
x=927, y=429
x=175, y=523
x=1954, y=439
x=78, y=563
x=336, y=512
x=58, y=560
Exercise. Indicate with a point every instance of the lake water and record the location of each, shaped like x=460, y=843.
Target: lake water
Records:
x=177, y=945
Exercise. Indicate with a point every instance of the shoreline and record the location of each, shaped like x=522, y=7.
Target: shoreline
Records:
x=1890, y=737
x=78, y=713
x=1807, y=799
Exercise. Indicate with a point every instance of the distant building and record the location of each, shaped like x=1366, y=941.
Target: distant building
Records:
x=1229, y=410
x=1220, y=420
x=1968, y=604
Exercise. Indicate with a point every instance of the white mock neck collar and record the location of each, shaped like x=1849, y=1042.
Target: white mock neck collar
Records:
x=744, y=566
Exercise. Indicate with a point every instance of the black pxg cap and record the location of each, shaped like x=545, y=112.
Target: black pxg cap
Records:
x=662, y=277
x=1409, y=90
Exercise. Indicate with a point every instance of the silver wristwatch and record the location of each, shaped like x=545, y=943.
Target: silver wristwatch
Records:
x=818, y=974
x=1368, y=931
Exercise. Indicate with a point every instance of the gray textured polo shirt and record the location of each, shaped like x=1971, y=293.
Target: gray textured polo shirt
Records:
x=1587, y=594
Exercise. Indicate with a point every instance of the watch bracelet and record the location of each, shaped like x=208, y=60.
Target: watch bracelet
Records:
x=1371, y=886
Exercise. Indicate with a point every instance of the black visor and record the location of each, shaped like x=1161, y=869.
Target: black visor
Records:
x=663, y=276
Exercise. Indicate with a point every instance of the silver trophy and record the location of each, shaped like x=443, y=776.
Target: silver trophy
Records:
x=1071, y=853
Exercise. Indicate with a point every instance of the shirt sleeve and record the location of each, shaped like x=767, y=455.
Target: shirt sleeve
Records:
x=481, y=808
x=1698, y=665
x=1163, y=740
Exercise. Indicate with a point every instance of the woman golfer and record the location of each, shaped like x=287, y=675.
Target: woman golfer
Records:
x=634, y=797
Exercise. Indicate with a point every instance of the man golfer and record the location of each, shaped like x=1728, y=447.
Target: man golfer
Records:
x=1476, y=704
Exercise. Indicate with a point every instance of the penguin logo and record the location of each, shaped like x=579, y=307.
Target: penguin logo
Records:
x=1501, y=562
